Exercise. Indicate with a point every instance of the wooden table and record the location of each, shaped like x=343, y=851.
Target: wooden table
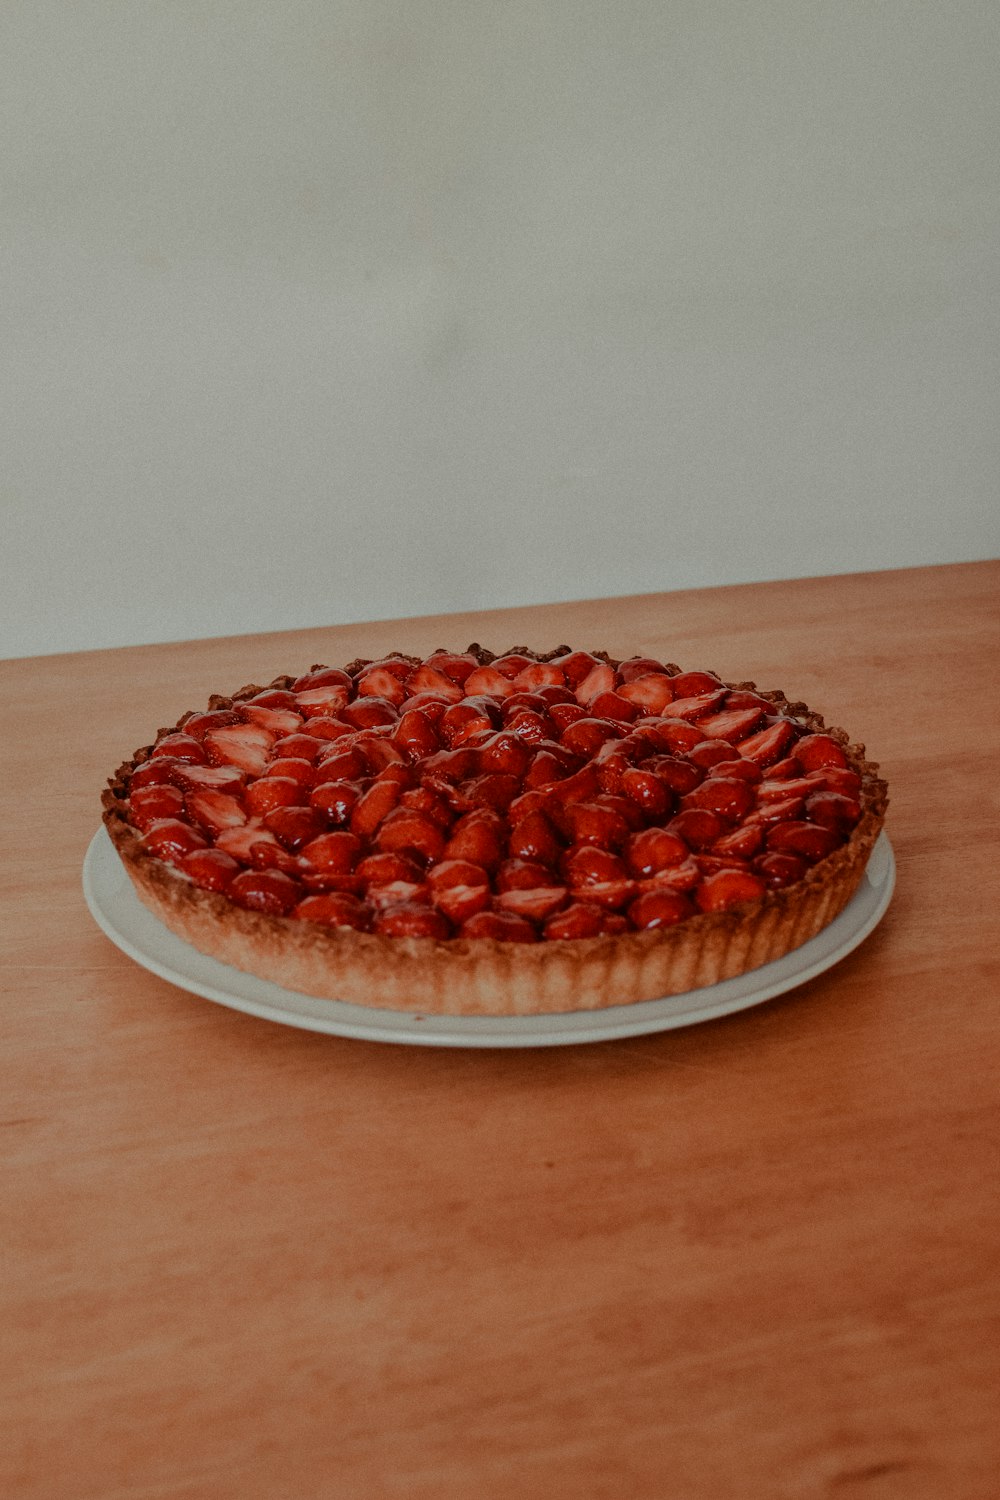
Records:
x=758, y=1257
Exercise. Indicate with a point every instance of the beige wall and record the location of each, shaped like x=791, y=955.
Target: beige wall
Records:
x=330, y=311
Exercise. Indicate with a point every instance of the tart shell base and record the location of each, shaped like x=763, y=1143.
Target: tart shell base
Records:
x=486, y=977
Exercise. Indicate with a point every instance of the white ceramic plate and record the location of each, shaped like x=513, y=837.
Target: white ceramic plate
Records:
x=120, y=914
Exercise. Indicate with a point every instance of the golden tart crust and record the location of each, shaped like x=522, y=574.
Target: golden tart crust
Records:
x=484, y=976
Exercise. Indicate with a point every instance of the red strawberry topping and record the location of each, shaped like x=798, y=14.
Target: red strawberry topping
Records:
x=515, y=798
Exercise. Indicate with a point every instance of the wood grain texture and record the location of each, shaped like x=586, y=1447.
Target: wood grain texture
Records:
x=757, y=1257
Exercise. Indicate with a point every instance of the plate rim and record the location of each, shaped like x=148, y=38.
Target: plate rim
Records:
x=267, y=1001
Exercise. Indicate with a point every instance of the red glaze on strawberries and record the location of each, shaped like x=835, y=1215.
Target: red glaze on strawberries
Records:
x=515, y=798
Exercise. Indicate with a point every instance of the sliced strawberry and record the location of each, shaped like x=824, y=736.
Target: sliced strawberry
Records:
x=459, y=666
x=324, y=702
x=412, y=920
x=640, y=666
x=733, y=724
x=659, y=909
x=699, y=827
x=325, y=728
x=539, y=674
x=744, y=698
x=504, y=751
x=518, y=874
x=341, y=765
x=212, y=869
x=416, y=735
x=601, y=678
x=738, y=769
x=651, y=692
x=654, y=849
x=423, y=800
x=405, y=829
x=647, y=790
x=745, y=842
x=538, y=904
x=730, y=798
x=575, y=665
x=215, y=810
x=613, y=706
x=270, y=792
x=769, y=791
x=334, y=910
x=622, y=807
x=778, y=870
x=450, y=765
x=335, y=799
x=398, y=893
x=815, y=752
x=480, y=837
x=294, y=768
x=534, y=800
x=809, y=840
x=676, y=736
x=611, y=895
x=496, y=790
x=710, y=753
x=728, y=888
x=426, y=679
x=544, y=770
x=278, y=720
x=534, y=838
x=197, y=725
x=780, y=811
x=591, y=823
x=455, y=872
x=532, y=727
x=149, y=804
x=549, y=694
x=272, y=698
x=247, y=746
x=171, y=838
x=460, y=720
x=381, y=682
x=836, y=779
x=182, y=747
x=336, y=853
x=294, y=826
x=557, y=718
x=459, y=902
x=297, y=747
x=678, y=775
x=586, y=736
x=581, y=919
x=833, y=810
x=268, y=854
x=502, y=926
x=240, y=842
x=385, y=868
x=489, y=681
x=682, y=877
x=694, y=684
x=322, y=677
x=581, y=786
x=697, y=706
x=586, y=864
x=768, y=744
x=381, y=753
x=711, y=864
x=369, y=713
x=269, y=891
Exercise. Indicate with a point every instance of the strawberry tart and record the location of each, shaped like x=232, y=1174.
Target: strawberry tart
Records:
x=480, y=834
